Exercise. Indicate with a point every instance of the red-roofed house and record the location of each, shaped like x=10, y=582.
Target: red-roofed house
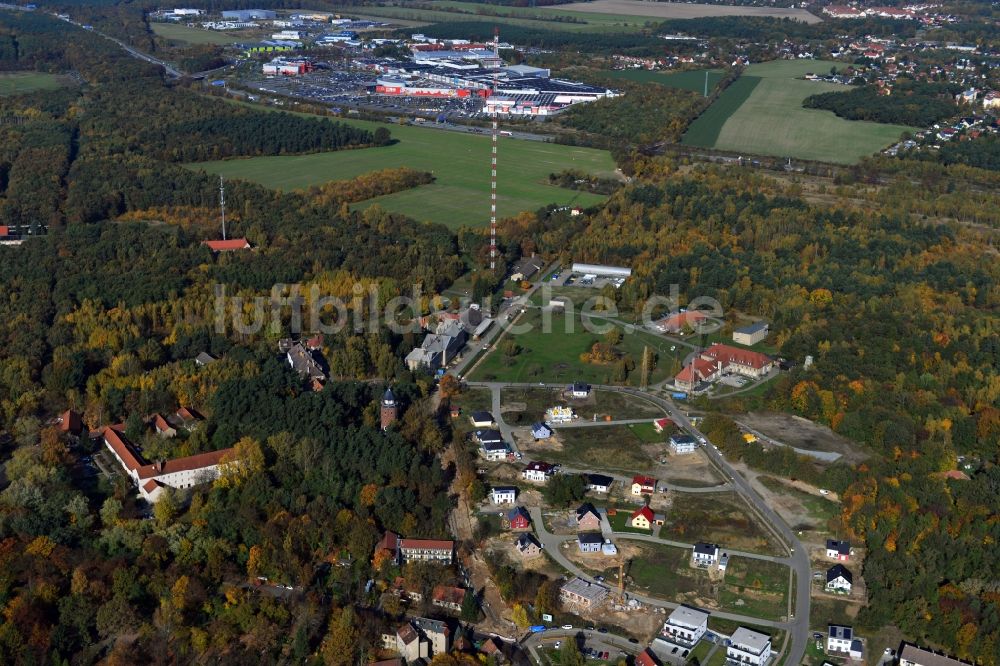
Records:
x=643, y=485
x=177, y=473
x=646, y=658
x=449, y=598
x=163, y=429
x=70, y=422
x=642, y=518
x=659, y=425
x=680, y=321
x=227, y=245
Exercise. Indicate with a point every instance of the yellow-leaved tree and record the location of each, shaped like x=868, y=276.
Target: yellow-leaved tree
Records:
x=242, y=462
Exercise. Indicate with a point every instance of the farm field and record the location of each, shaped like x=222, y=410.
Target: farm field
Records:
x=743, y=118
x=689, y=80
x=459, y=162
x=683, y=10
x=543, y=18
x=19, y=83
x=182, y=33
x=555, y=356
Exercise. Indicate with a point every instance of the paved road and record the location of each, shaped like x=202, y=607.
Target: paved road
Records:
x=135, y=53
x=595, y=639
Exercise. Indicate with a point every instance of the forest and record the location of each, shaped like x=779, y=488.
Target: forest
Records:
x=911, y=103
x=900, y=317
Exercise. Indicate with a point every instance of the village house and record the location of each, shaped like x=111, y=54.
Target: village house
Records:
x=704, y=554
x=684, y=627
x=579, y=390
x=526, y=268
x=203, y=359
x=151, y=478
x=503, y=495
x=681, y=444
x=749, y=647
x=599, y=483
x=481, y=419
x=680, y=322
x=406, y=591
x=448, y=598
x=302, y=360
x=518, y=519
x=185, y=418
x=439, y=348
x=646, y=658
x=642, y=518
x=838, y=550
x=582, y=594
x=643, y=485
x=659, y=425
x=495, y=451
x=540, y=431
x=162, y=428
x=587, y=518
x=839, y=579
x=528, y=546
x=841, y=640
x=419, y=638
x=538, y=471
x=70, y=422
x=589, y=542
x=492, y=648
x=912, y=655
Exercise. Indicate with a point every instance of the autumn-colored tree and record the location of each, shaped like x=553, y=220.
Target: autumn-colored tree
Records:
x=245, y=460
x=449, y=386
x=341, y=644
x=368, y=494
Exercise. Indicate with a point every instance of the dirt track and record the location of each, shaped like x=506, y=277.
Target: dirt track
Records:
x=681, y=10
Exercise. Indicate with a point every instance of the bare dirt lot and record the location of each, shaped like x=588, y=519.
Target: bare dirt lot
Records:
x=680, y=10
x=690, y=469
x=803, y=434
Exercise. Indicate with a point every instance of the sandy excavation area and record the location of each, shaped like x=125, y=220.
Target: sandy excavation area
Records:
x=681, y=10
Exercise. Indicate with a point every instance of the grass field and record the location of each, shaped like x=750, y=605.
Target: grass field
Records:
x=460, y=163
x=611, y=448
x=717, y=518
x=704, y=131
x=686, y=10
x=744, y=117
x=536, y=400
x=19, y=83
x=619, y=522
x=181, y=33
x=555, y=356
x=689, y=80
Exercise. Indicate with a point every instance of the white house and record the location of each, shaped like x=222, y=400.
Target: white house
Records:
x=503, y=495
x=481, y=419
x=838, y=550
x=680, y=444
x=839, y=579
x=538, y=472
x=495, y=451
x=684, y=627
x=579, y=389
x=704, y=554
x=749, y=647
x=838, y=638
x=599, y=483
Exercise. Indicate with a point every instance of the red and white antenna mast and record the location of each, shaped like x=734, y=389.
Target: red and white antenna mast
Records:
x=493, y=154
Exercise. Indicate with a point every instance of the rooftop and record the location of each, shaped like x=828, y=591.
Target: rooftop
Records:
x=688, y=616
x=747, y=638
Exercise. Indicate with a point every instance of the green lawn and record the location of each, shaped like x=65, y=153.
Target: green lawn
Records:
x=177, y=32
x=700, y=651
x=821, y=509
x=645, y=432
x=609, y=449
x=460, y=163
x=744, y=117
x=689, y=80
x=19, y=83
x=554, y=356
x=619, y=522
x=755, y=587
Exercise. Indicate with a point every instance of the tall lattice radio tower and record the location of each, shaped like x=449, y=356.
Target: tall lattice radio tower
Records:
x=494, y=137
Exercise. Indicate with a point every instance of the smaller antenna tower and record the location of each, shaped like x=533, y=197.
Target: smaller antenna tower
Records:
x=222, y=205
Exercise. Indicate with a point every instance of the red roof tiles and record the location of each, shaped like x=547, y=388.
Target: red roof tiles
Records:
x=227, y=245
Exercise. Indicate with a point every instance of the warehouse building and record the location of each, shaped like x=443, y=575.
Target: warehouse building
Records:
x=248, y=14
